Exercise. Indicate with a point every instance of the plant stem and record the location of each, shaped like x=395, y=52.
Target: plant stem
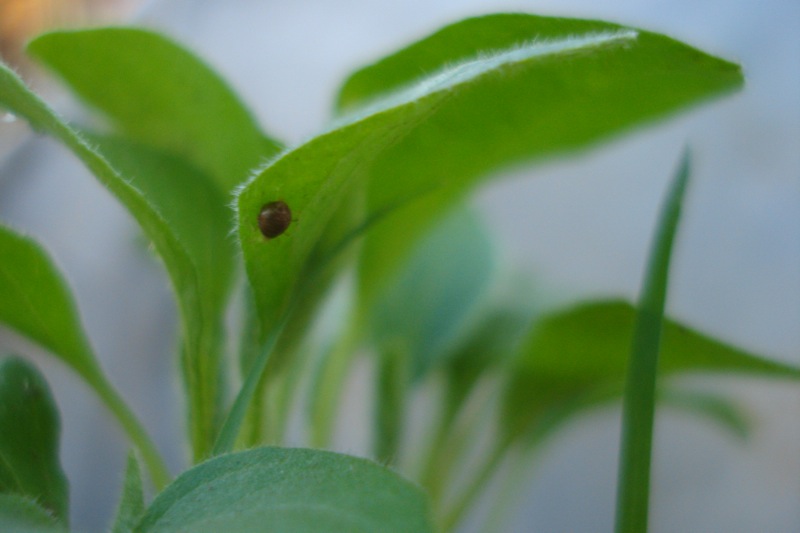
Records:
x=633, y=488
x=476, y=486
x=159, y=473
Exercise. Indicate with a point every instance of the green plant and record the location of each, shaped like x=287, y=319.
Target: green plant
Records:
x=377, y=198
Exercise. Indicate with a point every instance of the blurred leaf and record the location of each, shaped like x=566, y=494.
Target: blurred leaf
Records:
x=430, y=303
x=724, y=412
x=575, y=354
x=158, y=93
x=539, y=86
x=21, y=515
x=639, y=399
x=131, y=506
x=29, y=439
x=288, y=490
x=37, y=303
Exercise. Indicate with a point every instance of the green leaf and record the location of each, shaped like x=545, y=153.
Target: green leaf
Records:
x=520, y=87
x=574, y=355
x=182, y=257
x=722, y=411
x=539, y=86
x=429, y=304
x=288, y=490
x=21, y=515
x=37, y=303
x=638, y=402
x=158, y=93
x=131, y=506
x=29, y=439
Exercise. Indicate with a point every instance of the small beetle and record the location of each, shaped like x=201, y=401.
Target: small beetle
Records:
x=274, y=218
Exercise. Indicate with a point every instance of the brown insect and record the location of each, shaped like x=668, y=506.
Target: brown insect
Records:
x=274, y=218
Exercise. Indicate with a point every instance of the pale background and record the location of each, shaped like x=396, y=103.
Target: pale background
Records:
x=582, y=224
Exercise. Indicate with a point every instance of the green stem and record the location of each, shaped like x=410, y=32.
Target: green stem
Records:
x=330, y=381
x=476, y=486
x=393, y=385
x=638, y=408
x=135, y=431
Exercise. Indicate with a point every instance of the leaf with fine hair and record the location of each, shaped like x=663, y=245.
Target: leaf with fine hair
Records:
x=30, y=430
x=289, y=491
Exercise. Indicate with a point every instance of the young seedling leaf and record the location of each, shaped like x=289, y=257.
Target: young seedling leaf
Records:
x=521, y=87
x=289, y=491
x=429, y=304
x=19, y=514
x=131, y=506
x=183, y=256
x=158, y=93
x=579, y=356
x=29, y=439
x=37, y=303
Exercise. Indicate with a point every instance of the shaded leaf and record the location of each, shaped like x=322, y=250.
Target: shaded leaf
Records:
x=30, y=430
x=288, y=490
x=579, y=353
x=428, y=306
x=722, y=411
x=21, y=515
x=131, y=506
x=159, y=93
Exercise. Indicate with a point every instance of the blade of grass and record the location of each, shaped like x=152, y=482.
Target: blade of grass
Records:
x=633, y=480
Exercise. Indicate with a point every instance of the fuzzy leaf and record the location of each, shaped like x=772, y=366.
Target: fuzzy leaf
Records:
x=182, y=259
x=29, y=439
x=21, y=515
x=158, y=93
x=499, y=89
x=288, y=491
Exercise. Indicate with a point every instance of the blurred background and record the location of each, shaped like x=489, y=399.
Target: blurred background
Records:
x=581, y=224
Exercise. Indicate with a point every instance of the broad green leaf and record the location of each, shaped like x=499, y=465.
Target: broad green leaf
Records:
x=159, y=93
x=37, y=303
x=131, y=506
x=639, y=398
x=22, y=515
x=521, y=87
x=291, y=491
x=29, y=439
x=182, y=258
x=428, y=306
x=576, y=354
x=539, y=86
x=315, y=180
